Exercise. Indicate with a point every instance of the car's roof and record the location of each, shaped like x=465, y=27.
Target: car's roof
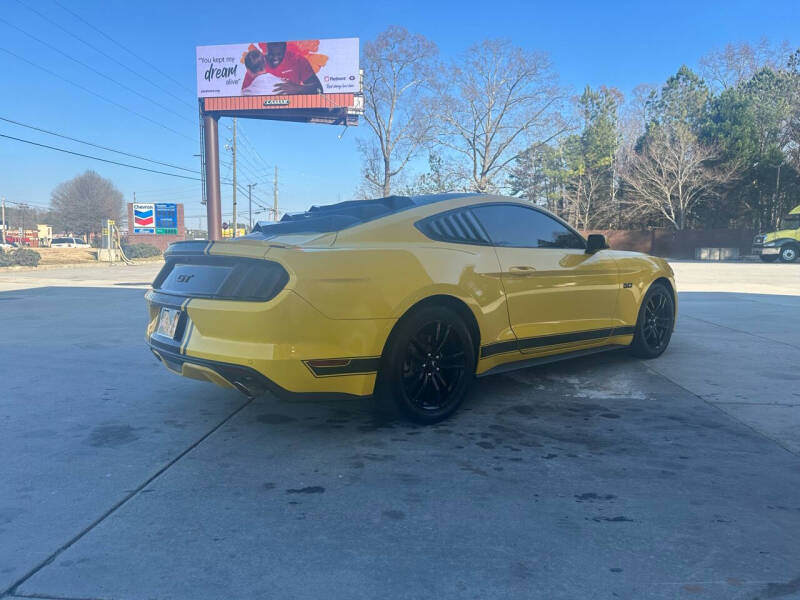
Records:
x=342, y=215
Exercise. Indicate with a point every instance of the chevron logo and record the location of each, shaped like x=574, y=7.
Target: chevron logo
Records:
x=143, y=218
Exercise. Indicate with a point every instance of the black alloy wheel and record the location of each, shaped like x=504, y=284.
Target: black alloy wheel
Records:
x=655, y=323
x=429, y=364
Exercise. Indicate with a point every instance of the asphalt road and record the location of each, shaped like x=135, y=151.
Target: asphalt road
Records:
x=604, y=477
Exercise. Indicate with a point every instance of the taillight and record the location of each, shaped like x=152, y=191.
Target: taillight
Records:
x=221, y=277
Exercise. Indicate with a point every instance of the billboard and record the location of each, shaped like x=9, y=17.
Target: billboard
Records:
x=278, y=68
x=144, y=218
x=159, y=218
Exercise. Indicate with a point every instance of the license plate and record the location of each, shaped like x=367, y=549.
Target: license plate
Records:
x=168, y=321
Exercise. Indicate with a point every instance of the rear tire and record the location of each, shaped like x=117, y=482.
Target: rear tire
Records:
x=789, y=253
x=769, y=258
x=655, y=322
x=428, y=364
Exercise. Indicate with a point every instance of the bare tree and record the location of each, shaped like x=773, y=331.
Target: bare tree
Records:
x=82, y=204
x=735, y=63
x=495, y=102
x=441, y=177
x=584, y=207
x=397, y=69
x=633, y=114
x=671, y=174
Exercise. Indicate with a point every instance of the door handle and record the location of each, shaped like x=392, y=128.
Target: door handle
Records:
x=522, y=270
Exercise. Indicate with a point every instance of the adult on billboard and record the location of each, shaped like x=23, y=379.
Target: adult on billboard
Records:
x=276, y=68
x=271, y=68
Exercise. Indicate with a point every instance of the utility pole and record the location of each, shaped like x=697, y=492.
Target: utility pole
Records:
x=235, y=224
x=22, y=230
x=109, y=224
x=250, y=187
x=275, y=196
x=3, y=218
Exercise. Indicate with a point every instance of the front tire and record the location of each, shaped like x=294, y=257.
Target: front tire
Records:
x=655, y=322
x=428, y=364
x=789, y=253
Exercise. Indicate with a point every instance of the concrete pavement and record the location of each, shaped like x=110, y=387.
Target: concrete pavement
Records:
x=739, y=327
x=603, y=477
x=118, y=275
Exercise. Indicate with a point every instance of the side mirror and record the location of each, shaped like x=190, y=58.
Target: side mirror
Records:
x=595, y=242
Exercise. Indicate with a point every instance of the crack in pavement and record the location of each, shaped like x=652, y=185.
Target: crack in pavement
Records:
x=11, y=591
x=721, y=409
x=755, y=335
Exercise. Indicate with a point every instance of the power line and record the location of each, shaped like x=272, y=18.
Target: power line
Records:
x=259, y=172
x=118, y=45
x=66, y=137
x=248, y=168
x=185, y=196
x=103, y=53
x=172, y=190
x=105, y=160
x=255, y=150
x=252, y=176
x=268, y=167
x=28, y=204
x=93, y=93
x=93, y=70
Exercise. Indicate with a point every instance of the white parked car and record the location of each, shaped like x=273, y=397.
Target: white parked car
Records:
x=8, y=246
x=69, y=242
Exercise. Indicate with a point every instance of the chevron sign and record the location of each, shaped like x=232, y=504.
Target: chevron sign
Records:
x=144, y=218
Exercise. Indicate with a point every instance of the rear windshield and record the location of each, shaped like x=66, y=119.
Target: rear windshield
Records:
x=63, y=241
x=335, y=217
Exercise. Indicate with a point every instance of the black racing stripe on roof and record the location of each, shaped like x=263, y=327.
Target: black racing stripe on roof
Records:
x=342, y=215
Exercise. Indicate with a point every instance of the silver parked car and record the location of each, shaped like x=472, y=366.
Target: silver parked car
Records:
x=69, y=242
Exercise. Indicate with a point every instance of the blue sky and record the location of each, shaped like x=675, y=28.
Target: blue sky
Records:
x=617, y=44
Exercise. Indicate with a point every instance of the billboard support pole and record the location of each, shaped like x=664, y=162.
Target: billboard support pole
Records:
x=213, y=197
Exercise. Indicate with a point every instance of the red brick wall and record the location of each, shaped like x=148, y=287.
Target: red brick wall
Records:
x=159, y=241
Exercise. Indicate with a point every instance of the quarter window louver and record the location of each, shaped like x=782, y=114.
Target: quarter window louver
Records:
x=458, y=227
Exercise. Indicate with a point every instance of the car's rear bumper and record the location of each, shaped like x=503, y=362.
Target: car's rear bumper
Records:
x=247, y=380
x=274, y=346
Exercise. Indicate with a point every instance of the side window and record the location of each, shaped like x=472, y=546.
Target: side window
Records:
x=520, y=227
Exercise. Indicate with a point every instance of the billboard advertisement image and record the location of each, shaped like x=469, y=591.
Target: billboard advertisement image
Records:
x=144, y=218
x=278, y=68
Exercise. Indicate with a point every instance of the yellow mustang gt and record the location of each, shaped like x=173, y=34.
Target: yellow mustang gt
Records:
x=404, y=297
